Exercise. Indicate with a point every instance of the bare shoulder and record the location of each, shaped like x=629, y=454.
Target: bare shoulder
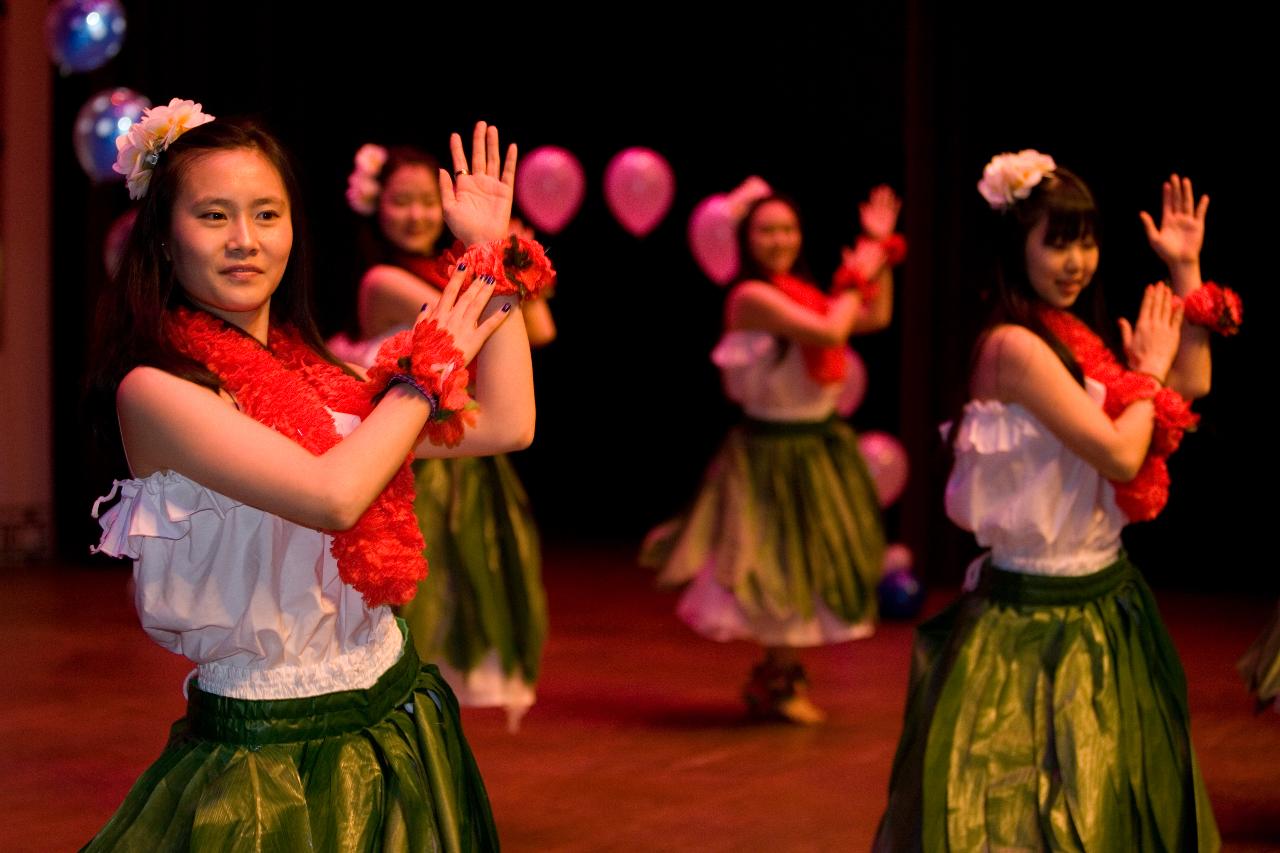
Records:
x=1010, y=344
x=147, y=389
x=1007, y=355
x=385, y=275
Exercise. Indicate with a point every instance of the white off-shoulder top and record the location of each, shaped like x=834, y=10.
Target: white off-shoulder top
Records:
x=767, y=387
x=1039, y=508
x=253, y=600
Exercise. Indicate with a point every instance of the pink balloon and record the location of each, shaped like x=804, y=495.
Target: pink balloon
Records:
x=713, y=238
x=639, y=187
x=855, y=384
x=887, y=461
x=897, y=558
x=550, y=185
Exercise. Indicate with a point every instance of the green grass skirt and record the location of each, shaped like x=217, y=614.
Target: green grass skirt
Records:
x=787, y=519
x=1048, y=713
x=483, y=593
x=1260, y=665
x=348, y=771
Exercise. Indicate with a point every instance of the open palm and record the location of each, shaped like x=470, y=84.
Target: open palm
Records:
x=1181, y=232
x=477, y=198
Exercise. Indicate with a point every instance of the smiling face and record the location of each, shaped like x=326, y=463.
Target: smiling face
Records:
x=773, y=237
x=1061, y=269
x=409, y=211
x=231, y=234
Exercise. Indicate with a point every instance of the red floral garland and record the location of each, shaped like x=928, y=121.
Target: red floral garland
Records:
x=1216, y=307
x=288, y=387
x=519, y=266
x=825, y=365
x=437, y=367
x=1143, y=497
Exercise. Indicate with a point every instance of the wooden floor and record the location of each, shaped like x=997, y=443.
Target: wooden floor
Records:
x=637, y=741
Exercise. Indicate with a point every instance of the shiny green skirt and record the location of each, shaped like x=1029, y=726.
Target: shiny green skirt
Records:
x=1048, y=713
x=1260, y=665
x=482, y=599
x=787, y=525
x=385, y=768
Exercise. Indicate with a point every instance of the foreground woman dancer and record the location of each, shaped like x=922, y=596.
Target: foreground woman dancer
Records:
x=271, y=522
x=1047, y=707
x=482, y=614
x=783, y=545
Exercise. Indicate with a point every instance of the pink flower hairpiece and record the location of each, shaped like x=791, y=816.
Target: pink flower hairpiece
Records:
x=1008, y=178
x=362, y=184
x=138, y=151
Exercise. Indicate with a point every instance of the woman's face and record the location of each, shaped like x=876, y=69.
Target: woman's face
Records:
x=1059, y=271
x=231, y=233
x=773, y=237
x=409, y=211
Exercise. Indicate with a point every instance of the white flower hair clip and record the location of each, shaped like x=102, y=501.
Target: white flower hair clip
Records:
x=1009, y=178
x=362, y=183
x=138, y=151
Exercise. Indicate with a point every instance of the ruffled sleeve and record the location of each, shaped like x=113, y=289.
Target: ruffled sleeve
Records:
x=157, y=507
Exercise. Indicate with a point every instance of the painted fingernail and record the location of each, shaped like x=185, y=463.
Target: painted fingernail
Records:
x=424, y=307
x=506, y=306
x=461, y=267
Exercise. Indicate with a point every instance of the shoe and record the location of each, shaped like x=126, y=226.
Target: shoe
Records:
x=781, y=693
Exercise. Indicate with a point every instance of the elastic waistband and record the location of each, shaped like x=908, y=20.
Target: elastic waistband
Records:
x=258, y=722
x=754, y=426
x=1009, y=587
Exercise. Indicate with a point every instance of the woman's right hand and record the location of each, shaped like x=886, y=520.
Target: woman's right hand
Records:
x=1151, y=345
x=458, y=313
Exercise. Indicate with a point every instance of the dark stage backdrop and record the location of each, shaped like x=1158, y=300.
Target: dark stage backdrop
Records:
x=629, y=404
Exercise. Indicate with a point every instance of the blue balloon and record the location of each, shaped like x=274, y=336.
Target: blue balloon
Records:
x=83, y=34
x=900, y=594
x=106, y=115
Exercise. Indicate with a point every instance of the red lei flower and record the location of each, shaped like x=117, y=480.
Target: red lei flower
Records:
x=1143, y=497
x=288, y=387
x=520, y=266
x=1216, y=307
x=825, y=365
x=430, y=357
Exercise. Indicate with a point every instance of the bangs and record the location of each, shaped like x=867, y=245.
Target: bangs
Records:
x=1066, y=226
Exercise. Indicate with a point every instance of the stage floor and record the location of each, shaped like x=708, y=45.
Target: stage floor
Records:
x=637, y=742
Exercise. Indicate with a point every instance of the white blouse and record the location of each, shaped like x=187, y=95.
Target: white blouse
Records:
x=254, y=600
x=767, y=387
x=1039, y=508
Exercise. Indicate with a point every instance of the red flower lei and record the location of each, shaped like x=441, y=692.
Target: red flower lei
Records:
x=1215, y=307
x=1143, y=497
x=288, y=387
x=825, y=365
x=520, y=266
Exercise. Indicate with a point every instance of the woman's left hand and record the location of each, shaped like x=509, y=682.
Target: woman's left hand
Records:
x=879, y=213
x=1181, y=232
x=477, y=198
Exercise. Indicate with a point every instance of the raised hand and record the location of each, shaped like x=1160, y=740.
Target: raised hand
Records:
x=458, y=313
x=477, y=197
x=879, y=213
x=1151, y=345
x=867, y=257
x=1181, y=232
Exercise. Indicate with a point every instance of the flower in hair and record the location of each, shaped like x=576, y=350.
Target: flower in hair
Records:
x=1009, y=178
x=362, y=184
x=138, y=151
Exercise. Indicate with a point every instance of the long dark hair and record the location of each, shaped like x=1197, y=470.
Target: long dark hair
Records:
x=1065, y=201
x=371, y=244
x=748, y=267
x=129, y=331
